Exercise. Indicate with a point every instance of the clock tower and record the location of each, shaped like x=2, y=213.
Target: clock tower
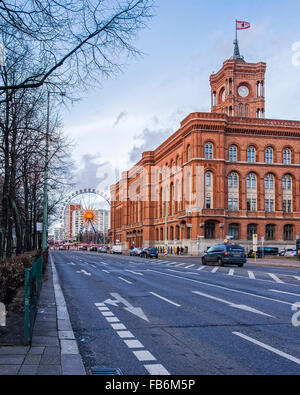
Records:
x=238, y=89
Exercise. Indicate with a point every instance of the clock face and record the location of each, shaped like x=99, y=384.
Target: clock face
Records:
x=243, y=91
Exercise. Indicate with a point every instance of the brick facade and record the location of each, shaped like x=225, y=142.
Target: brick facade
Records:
x=243, y=172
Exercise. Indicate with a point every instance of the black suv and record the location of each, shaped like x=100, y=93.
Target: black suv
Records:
x=264, y=251
x=225, y=253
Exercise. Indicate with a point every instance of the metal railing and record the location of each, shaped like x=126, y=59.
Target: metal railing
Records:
x=33, y=286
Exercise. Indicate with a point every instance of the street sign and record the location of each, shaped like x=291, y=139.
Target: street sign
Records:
x=39, y=226
x=255, y=239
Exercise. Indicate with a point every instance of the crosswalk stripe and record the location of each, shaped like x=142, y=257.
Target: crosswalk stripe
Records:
x=297, y=278
x=231, y=272
x=201, y=268
x=215, y=269
x=189, y=266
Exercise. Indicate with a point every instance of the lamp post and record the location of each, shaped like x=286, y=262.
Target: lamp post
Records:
x=45, y=211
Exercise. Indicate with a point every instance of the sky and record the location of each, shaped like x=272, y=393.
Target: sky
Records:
x=185, y=42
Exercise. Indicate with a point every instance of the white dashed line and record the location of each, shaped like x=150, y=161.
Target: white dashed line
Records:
x=107, y=313
x=231, y=272
x=297, y=278
x=125, y=334
x=144, y=355
x=165, y=299
x=187, y=267
x=201, y=268
x=157, y=369
x=126, y=281
x=180, y=264
x=133, y=344
x=215, y=269
x=118, y=327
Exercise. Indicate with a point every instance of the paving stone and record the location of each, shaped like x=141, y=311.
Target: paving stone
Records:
x=32, y=359
x=49, y=370
x=36, y=350
x=50, y=360
x=52, y=350
x=45, y=340
x=28, y=370
x=9, y=369
x=69, y=347
x=11, y=359
x=72, y=365
x=14, y=350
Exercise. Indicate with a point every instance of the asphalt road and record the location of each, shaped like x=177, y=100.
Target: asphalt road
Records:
x=178, y=317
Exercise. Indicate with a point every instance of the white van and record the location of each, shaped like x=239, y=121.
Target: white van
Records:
x=116, y=249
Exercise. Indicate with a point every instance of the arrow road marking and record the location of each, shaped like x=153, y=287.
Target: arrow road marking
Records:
x=131, y=309
x=237, y=306
x=83, y=272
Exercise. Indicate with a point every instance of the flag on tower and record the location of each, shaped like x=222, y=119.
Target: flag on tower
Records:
x=241, y=25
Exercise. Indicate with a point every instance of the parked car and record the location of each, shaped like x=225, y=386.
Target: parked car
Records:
x=61, y=248
x=149, y=253
x=93, y=248
x=116, y=249
x=83, y=248
x=291, y=253
x=264, y=251
x=284, y=251
x=135, y=251
x=225, y=253
x=102, y=249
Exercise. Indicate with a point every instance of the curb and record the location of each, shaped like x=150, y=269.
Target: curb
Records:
x=71, y=361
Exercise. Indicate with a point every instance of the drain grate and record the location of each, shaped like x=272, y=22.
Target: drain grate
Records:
x=105, y=371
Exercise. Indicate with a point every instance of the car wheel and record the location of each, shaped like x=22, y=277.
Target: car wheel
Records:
x=203, y=261
x=220, y=262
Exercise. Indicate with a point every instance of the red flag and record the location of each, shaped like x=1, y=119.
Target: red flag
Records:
x=241, y=25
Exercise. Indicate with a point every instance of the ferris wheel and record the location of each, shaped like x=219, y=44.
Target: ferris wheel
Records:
x=83, y=211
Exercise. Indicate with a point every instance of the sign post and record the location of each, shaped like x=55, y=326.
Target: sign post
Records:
x=255, y=246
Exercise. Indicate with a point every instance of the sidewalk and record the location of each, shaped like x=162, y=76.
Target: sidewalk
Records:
x=54, y=349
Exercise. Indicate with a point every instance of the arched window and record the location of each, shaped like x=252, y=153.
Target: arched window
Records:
x=270, y=232
x=269, y=181
x=233, y=153
x=287, y=155
x=209, y=151
x=178, y=162
x=251, y=230
x=208, y=179
x=288, y=233
x=287, y=182
x=246, y=110
x=269, y=155
x=233, y=180
x=251, y=154
x=251, y=181
x=233, y=231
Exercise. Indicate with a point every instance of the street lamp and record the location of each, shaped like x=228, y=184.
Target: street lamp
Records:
x=45, y=211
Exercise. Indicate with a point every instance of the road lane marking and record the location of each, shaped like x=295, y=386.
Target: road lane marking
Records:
x=165, y=299
x=231, y=272
x=118, y=327
x=219, y=286
x=201, y=268
x=269, y=348
x=133, y=343
x=125, y=334
x=283, y=292
x=157, y=369
x=112, y=319
x=131, y=271
x=107, y=313
x=126, y=281
x=215, y=269
x=180, y=264
x=83, y=272
x=297, y=278
x=189, y=266
x=105, y=271
x=104, y=308
x=251, y=275
x=276, y=278
x=144, y=355
x=234, y=305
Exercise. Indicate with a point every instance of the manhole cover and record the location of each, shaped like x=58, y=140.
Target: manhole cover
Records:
x=105, y=371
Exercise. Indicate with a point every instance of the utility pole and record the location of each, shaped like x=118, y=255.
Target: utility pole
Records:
x=45, y=214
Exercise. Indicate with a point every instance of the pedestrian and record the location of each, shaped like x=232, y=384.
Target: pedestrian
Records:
x=181, y=250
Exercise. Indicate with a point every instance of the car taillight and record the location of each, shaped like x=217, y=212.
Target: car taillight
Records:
x=226, y=253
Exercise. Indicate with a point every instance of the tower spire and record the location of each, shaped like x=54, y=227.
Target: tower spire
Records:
x=236, y=52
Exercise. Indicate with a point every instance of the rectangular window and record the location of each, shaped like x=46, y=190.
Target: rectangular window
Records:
x=230, y=204
x=251, y=204
x=208, y=202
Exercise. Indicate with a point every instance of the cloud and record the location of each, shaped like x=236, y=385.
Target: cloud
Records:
x=122, y=115
x=151, y=140
x=93, y=174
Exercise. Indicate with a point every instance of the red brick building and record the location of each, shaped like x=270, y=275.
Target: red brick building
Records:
x=230, y=172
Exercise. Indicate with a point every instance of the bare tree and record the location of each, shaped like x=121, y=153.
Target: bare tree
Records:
x=70, y=42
